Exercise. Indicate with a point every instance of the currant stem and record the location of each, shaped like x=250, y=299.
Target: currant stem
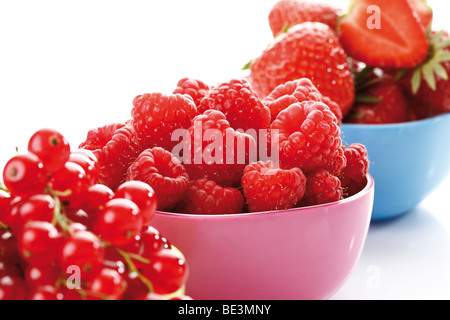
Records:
x=3, y=188
x=132, y=267
x=3, y=226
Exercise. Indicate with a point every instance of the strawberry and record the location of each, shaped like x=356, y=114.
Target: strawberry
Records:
x=429, y=84
x=382, y=100
x=286, y=13
x=308, y=50
x=384, y=33
x=423, y=10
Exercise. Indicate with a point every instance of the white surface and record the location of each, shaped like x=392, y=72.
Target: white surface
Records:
x=78, y=65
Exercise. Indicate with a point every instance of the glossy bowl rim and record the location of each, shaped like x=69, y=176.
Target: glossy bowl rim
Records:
x=369, y=186
x=408, y=124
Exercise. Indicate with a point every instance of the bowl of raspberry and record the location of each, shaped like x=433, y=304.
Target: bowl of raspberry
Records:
x=262, y=197
x=301, y=253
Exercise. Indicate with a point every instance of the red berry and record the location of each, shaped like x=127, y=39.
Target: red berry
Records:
x=206, y=197
x=82, y=250
x=39, y=242
x=155, y=116
x=115, y=146
x=167, y=271
x=119, y=222
x=268, y=187
x=307, y=50
x=51, y=147
x=107, y=285
x=216, y=151
x=47, y=292
x=72, y=182
x=5, y=199
x=389, y=103
x=353, y=177
x=239, y=103
x=40, y=275
x=95, y=199
x=164, y=173
x=152, y=241
x=90, y=167
x=152, y=296
x=12, y=288
x=398, y=41
x=322, y=187
x=287, y=13
x=142, y=195
x=24, y=174
x=38, y=207
x=8, y=247
x=310, y=137
x=196, y=89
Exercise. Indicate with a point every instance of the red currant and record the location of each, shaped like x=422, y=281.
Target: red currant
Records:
x=24, y=174
x=51, y=147
x=83, y=250
x=47, y=292
x=12, y=288
x=71, y=181
x=5, y=199
x=8, y=247
x=38, y=207
x=152, y=241
x=140, y=193
x=167, y=271
x=36, y=276
x=152, y=296
x=119, y=222
x=108, y=284
x=90, y=167
x=96, y=197
x=38, y=242
x=11, y=215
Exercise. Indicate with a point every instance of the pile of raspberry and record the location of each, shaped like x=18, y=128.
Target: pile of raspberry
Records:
x=222, y=150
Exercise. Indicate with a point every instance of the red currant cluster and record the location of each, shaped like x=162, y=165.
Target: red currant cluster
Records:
x=65, y=237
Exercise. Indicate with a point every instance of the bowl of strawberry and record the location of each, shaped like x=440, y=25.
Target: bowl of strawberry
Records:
x=386, y=69
x=402, y=107
x=263, y=198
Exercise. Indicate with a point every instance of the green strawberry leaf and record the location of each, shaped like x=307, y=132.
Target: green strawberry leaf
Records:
x=366, y=98
x=247, y=65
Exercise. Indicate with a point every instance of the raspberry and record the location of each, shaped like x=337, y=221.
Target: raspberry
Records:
x=116, y=146
x=297, y=91
x=334, y=107
x=240, y=104
x=268, y=187
x=164, y=173
x=155, y=116
x=309, y=137
x=216, y=151
x=206, y=197
x=353, y=177
x=196, y=89
x=322, y=187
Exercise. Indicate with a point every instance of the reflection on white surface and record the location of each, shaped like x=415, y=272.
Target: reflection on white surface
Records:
x=406, y=258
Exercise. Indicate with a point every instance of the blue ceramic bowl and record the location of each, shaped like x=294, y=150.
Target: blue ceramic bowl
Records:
x=408, y=161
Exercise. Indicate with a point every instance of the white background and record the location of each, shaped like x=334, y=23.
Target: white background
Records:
x=75, y=65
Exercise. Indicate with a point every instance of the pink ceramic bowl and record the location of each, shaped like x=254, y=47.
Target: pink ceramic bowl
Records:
x=297, y=254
